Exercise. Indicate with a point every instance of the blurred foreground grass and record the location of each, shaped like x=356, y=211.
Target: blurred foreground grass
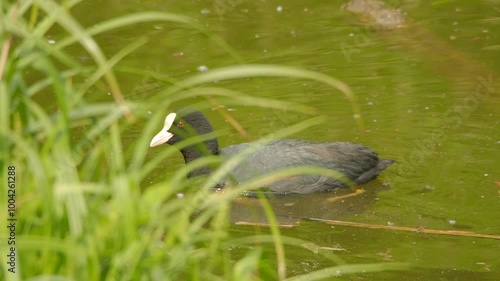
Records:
x=84, y=211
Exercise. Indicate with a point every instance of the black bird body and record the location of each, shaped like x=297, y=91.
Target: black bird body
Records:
x=357, y=162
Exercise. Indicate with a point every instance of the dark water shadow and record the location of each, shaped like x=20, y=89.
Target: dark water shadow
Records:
x=291, y=209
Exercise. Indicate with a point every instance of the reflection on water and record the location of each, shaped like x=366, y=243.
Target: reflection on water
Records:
x=291, y=209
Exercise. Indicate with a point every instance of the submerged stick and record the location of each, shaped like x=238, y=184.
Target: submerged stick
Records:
x=406, y=228
x=388, y=227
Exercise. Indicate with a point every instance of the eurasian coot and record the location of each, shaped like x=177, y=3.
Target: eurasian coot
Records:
x=359, y=163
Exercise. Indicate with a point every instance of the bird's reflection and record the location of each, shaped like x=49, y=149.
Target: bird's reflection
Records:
x=291, y=209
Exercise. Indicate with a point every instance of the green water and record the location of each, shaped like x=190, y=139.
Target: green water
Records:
x=429, y=96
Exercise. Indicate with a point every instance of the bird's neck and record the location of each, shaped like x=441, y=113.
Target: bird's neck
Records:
x=194, y=152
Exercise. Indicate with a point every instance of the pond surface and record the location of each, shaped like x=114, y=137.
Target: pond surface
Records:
x=429, y=96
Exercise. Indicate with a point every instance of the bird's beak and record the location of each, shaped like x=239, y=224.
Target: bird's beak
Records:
x=164, y=135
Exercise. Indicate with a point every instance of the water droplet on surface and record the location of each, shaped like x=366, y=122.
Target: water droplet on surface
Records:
x=202, y=68
x=429, y=187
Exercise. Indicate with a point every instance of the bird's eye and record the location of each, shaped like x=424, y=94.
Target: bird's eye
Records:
x=180, y=124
